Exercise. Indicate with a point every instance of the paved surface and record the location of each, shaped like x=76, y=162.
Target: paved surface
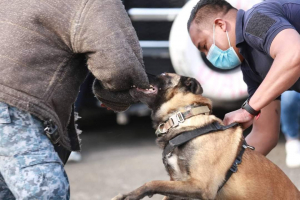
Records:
x=118, y=159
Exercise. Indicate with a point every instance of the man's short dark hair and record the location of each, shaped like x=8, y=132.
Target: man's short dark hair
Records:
x=208, y=7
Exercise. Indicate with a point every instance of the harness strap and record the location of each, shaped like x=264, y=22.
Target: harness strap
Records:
x=234, y=166
x=189, y=135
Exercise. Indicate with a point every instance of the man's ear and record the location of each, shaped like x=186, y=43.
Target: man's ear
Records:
x=193, y=86
x=221, y=23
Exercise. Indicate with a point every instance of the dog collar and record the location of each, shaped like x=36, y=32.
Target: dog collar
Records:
x=179, y=117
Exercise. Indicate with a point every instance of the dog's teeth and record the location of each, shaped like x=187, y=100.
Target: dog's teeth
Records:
x=133, y=86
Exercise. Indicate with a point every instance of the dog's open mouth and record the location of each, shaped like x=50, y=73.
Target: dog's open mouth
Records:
x=151, y=90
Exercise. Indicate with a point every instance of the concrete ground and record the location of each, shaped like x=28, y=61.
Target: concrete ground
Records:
x=118, y=159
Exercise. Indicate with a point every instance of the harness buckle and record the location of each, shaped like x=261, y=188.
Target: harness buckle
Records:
x=234, y=168
x=248, y=146
x=180, y=117
x=177, y=118
x=160, y=131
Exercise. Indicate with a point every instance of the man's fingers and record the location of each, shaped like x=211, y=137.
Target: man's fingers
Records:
x=247, y=124
x=239, y=117
x=226, y=120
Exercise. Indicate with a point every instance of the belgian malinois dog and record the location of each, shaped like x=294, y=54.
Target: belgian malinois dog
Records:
x=199, y=168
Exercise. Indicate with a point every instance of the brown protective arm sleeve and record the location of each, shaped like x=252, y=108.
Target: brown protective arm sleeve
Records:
x=105, y=34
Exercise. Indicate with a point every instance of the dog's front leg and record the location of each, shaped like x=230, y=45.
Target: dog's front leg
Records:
x=181, y=189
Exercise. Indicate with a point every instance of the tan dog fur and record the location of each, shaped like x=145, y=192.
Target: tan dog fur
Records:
x=198, y=168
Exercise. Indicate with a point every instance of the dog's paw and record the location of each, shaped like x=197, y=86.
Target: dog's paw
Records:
x=126, y=197
x=119, y=197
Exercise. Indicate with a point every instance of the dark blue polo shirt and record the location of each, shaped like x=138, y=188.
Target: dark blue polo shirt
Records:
x=255, y=31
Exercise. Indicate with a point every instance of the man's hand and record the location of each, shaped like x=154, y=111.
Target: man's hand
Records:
x=265, y=132
x=241, y=116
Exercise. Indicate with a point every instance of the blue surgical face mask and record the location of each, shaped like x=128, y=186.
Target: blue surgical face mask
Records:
x=227, y=59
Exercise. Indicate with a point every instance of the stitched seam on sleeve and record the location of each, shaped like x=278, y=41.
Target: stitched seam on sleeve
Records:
x=272, y=35
x=76, y=25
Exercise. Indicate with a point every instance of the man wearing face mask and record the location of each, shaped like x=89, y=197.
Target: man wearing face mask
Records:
x=265, y=42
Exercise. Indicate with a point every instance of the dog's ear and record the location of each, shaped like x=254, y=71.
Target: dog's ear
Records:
x=193, y=86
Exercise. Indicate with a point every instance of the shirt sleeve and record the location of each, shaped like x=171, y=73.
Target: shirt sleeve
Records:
x=104, y=33
x=262, y=27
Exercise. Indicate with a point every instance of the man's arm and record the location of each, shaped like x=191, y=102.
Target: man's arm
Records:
x=285, y=71
x=265, y=132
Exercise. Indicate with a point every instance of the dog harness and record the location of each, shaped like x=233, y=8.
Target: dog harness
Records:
x=187, y=136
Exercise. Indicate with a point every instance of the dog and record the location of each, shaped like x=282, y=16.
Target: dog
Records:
x=216, y=165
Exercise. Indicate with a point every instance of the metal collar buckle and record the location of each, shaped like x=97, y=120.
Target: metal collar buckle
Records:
x=160, y=130
x=177, y=118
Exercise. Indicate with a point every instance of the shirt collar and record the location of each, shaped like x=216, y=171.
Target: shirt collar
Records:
x=239, y=27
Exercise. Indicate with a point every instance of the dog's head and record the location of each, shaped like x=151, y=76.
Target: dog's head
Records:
x=168, y=93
